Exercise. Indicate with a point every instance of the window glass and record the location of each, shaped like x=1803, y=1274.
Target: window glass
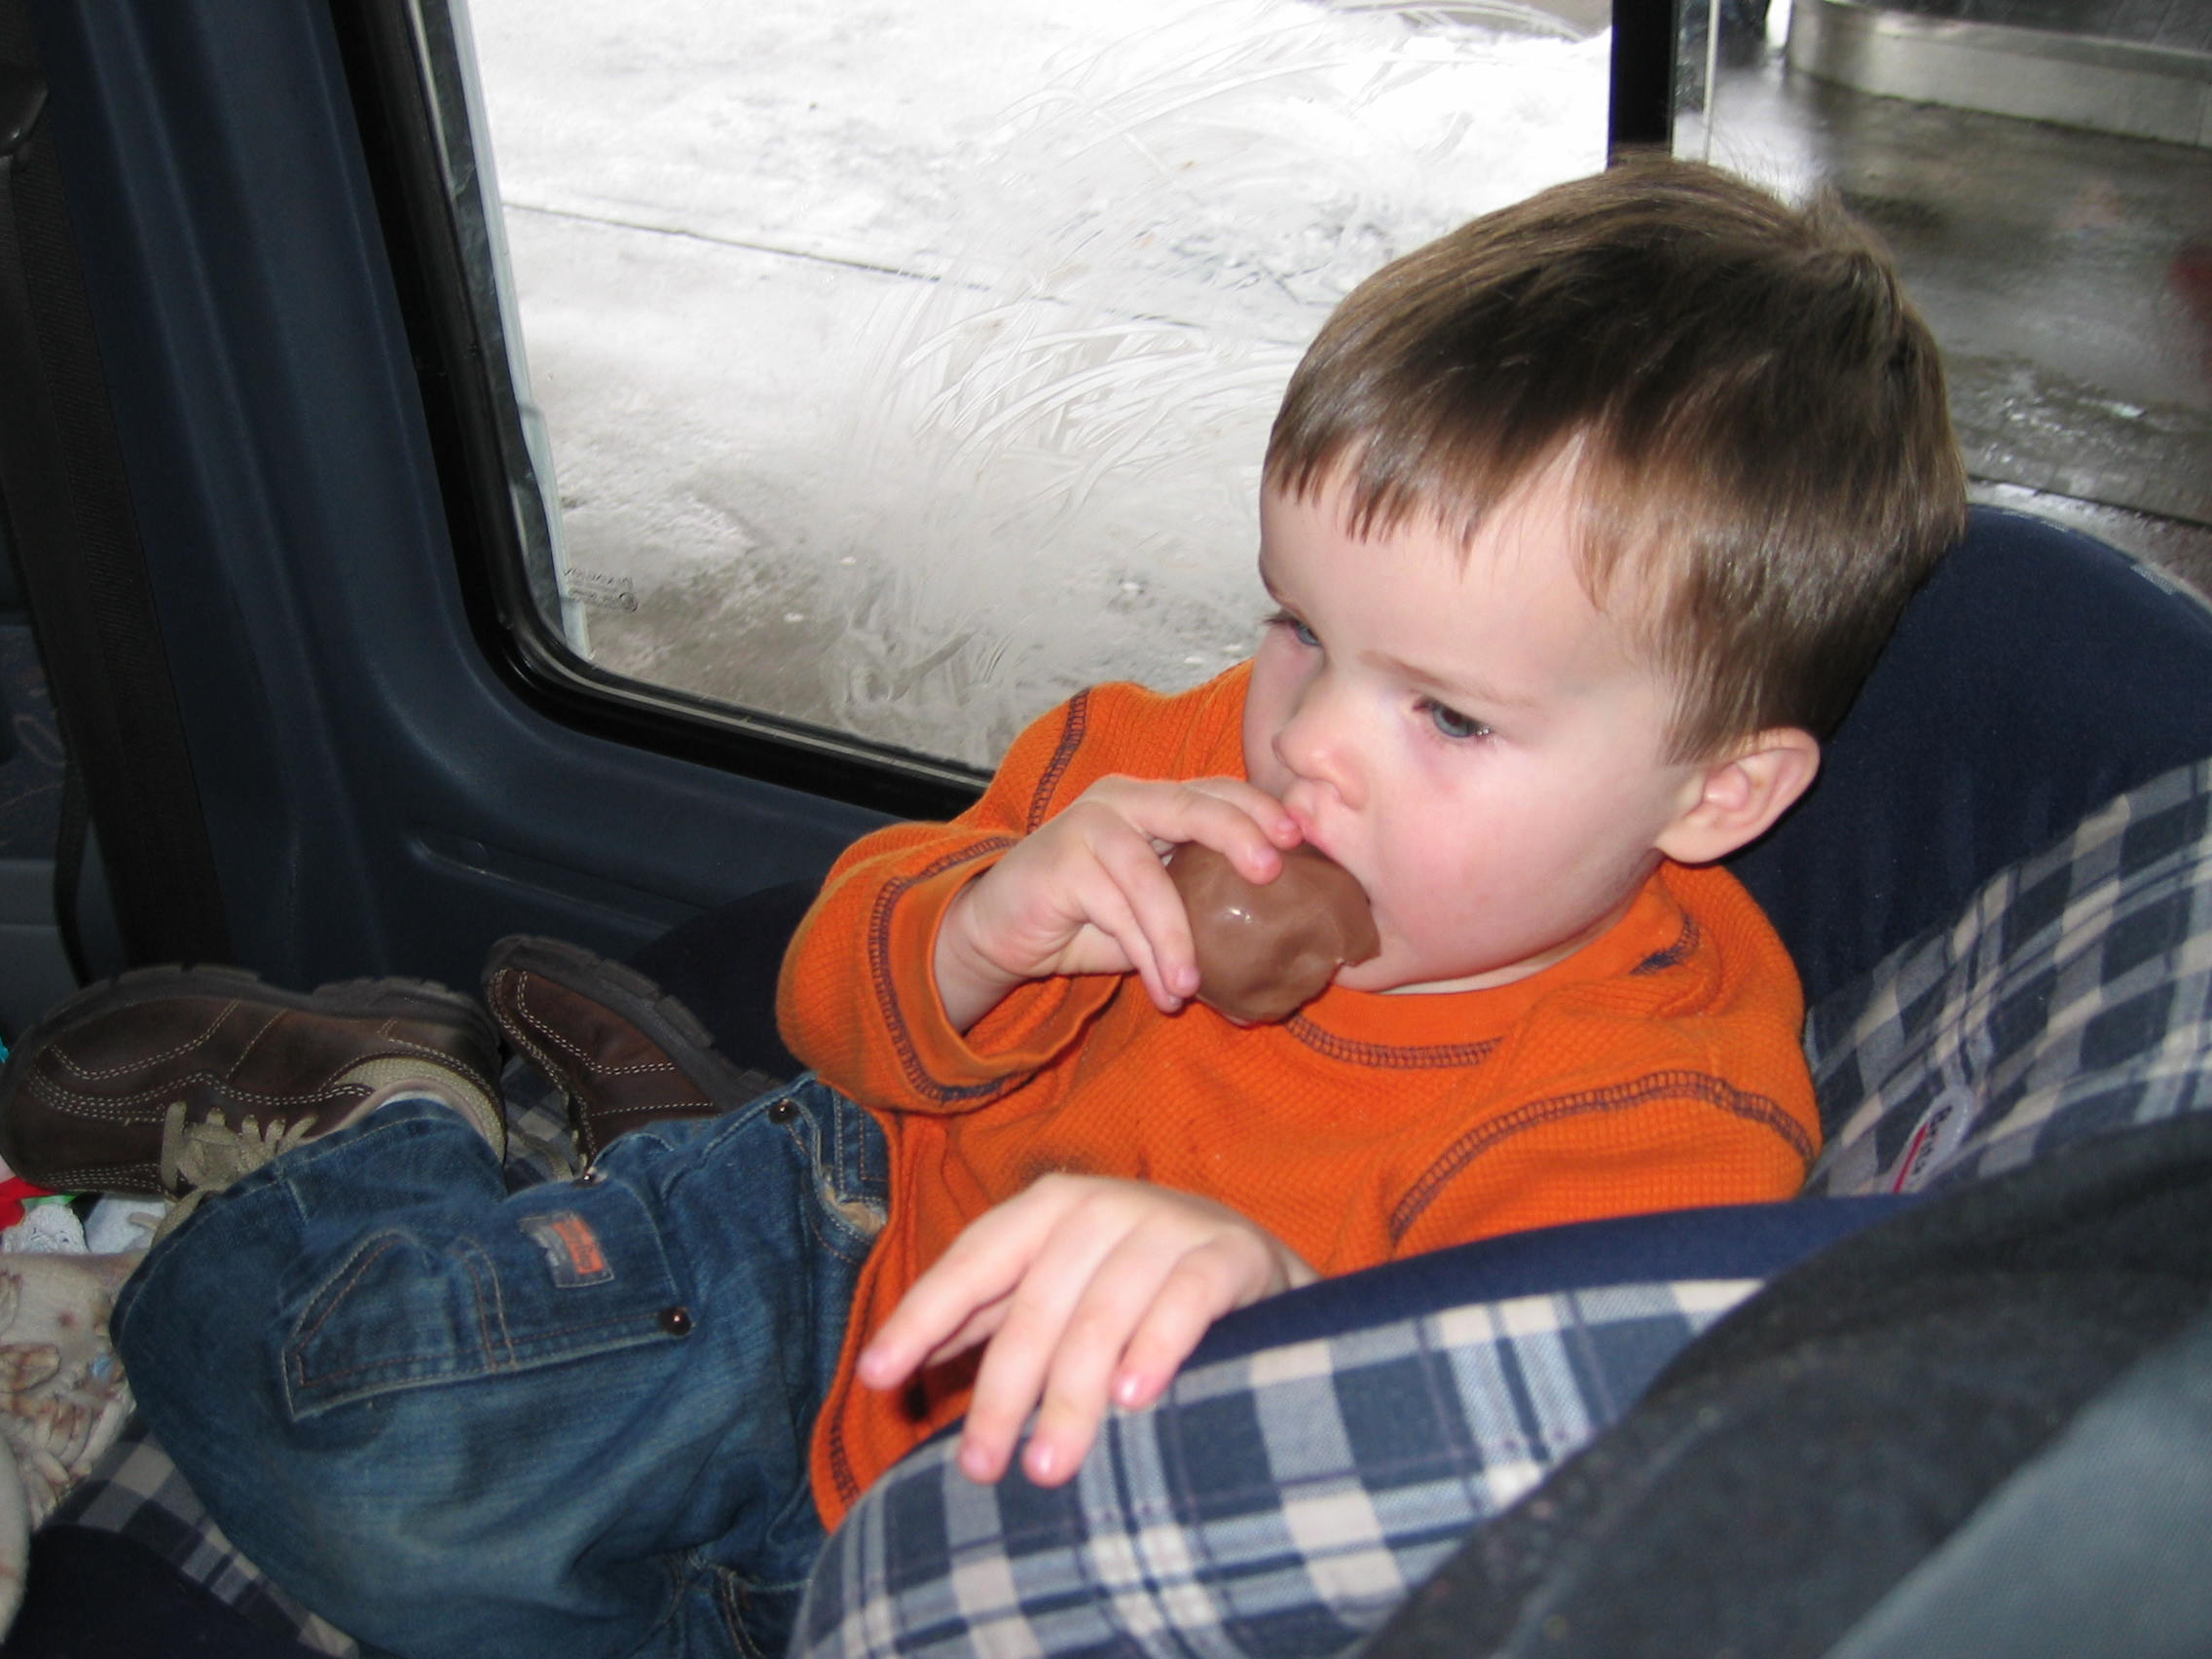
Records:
x=909, y=363
x=2041, y=173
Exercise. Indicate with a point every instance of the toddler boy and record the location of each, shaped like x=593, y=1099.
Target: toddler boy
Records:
x=1579, y=524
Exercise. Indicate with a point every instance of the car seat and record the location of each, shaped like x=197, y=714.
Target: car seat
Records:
x=2000, y=896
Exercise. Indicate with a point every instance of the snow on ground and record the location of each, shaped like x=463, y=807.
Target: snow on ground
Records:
x=909, y=365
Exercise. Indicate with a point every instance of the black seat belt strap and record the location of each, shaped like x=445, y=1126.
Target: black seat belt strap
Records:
x=77, y=549
x=69, y=868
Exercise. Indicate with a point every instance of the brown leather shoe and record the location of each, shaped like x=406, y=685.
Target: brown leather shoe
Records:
x=621, y=1050
x=168, y=1080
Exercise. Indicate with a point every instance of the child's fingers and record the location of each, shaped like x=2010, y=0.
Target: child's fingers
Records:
x=1142, y=913
x=888, y=1365
x=1204, y=1285
x=961, y=1299
x=977, y=1327
x=1146, y=918
x=1006, y=1257
x=1243, y=823
x=1256, y=806
x=914, y=1338
x=1084, y=894
x=1146, y=1311
x=1089, y=1291
x=1121, y=1299
x=1087, y=894
x=1178, y=1265
x=1026, y=1348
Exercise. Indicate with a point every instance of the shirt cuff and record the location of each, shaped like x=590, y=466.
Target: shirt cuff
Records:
x=1030, y=1027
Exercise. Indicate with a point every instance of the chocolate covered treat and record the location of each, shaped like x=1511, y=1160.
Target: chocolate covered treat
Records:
x=1266, y=951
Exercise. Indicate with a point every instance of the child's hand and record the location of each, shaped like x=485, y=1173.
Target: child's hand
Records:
x=1089, y=1291
x=1087, y=892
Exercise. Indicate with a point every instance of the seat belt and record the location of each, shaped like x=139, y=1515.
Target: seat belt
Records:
x=80, y=562
x=69, y=837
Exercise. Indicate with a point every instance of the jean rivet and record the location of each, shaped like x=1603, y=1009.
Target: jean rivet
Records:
x=589, y=1178
x=676, y=1321
x=782, y=1111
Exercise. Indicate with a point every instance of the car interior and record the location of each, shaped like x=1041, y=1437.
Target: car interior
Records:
x=294, y=653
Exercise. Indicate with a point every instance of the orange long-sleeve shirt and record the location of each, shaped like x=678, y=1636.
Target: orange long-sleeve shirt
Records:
x=1656, y=1068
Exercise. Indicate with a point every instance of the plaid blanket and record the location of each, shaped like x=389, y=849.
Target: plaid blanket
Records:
x=2071, y=997
x=1279, y=1505
x=1282, y=1502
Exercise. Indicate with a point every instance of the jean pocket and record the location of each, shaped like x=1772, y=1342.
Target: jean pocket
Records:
x=559, y=1272
x=851, y=1169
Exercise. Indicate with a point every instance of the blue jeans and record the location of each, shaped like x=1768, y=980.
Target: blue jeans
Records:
x=567, y=1420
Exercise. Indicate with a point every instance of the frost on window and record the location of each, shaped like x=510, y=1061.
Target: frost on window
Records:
x=908, y=365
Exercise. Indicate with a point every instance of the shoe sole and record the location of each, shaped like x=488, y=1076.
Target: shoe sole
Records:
x=354, y=999
x=659, y=1015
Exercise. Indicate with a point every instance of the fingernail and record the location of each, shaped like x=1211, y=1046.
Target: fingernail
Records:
x=1044, y=1462
x=1127, y=1387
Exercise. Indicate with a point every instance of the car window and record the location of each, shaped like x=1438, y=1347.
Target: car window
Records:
x=904, y=366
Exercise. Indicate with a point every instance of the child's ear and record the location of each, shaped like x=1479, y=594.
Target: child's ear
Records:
x=1741, y=794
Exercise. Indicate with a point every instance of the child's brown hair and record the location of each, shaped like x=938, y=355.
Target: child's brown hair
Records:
x=1755, y=414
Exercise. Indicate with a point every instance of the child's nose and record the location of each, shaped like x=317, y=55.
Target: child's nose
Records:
x=1317, y=742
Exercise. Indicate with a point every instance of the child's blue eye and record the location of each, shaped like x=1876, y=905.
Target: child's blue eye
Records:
x=1453, y=725
x=1299, y=631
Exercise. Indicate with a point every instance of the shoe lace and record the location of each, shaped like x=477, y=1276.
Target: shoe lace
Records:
x=210, y=1155
x=203, y=1158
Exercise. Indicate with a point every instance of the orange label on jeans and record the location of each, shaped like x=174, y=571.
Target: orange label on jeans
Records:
x=571, y=1248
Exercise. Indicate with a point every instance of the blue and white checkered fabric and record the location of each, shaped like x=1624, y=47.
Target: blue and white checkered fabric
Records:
x=2072, y=997
x=1281, y=1503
